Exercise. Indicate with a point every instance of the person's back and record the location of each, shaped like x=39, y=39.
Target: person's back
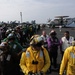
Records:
x=15, y=52
x=68, y=61
x=4, y=59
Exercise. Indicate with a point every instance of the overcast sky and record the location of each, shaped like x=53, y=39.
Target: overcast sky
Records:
x=39, y=10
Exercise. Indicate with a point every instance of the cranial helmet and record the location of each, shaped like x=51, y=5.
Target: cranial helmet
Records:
x=8, y=31
x=11, y=37
x=3, y=45
x=53, y=32
x=36, y=40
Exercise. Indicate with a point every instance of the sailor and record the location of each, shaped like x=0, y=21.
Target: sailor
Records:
x=36, y=58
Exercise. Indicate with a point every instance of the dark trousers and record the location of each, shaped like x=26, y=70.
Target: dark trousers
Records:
x=53, y=58
x=12, y=70
x=1, y=67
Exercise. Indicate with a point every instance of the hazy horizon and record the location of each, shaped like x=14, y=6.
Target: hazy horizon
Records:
x=39, y=10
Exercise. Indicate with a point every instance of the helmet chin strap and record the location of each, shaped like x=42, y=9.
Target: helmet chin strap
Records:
x=37, y=48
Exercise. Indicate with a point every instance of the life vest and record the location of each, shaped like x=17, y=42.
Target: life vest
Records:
x=30, y=57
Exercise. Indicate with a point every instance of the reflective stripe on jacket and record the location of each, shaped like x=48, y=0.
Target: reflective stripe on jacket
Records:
x=30, y=55
x=68, y=61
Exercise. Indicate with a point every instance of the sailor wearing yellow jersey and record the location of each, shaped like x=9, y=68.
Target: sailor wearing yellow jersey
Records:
x=68, y=61
x=35, y=59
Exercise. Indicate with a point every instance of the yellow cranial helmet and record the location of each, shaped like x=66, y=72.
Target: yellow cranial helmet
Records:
x=35, y=39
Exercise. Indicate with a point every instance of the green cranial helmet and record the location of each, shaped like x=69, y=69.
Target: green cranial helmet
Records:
x=11, y=37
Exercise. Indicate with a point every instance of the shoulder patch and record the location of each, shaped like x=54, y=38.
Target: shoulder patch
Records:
x=14, y=47
x=27, y=54
x=41, y=53
x=72, y=55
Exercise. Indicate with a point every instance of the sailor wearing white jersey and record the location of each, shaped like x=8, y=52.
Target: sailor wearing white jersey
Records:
x=66, y=41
